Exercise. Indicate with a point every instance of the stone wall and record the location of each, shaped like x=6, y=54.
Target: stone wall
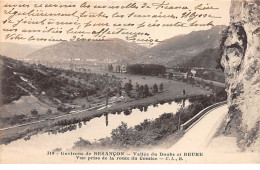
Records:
x=240, y=59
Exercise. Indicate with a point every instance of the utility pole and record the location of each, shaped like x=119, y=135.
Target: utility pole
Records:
x=182, y=106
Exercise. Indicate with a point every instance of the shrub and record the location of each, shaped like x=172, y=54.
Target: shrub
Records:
x=127, y=112
x=49, y=111
x=83, y=106
x=34, y=112
x=82, y=143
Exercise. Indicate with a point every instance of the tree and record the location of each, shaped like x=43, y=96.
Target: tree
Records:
x=155, y=88
x=120, y=133
x=191, y=79
x=170, y=75
x=141, y=91
x=72, y=83
x=137, y=87
x=87, y=96
x=49, y=111
x=83, y=106
x=65, y=81
x=120, y=92
x=34, y=112
x=161, y=87
x=110, y=67
x=127, y=112
x=128, y=88
x=146, y=90
x=146, y=69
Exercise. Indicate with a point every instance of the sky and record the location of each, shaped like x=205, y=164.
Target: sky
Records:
x=160, y=33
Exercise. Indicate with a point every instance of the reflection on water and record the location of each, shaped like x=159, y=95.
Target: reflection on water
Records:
x=95, y=129
x=106, y=120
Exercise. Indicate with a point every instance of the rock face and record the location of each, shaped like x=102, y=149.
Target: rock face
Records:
x=240, y=59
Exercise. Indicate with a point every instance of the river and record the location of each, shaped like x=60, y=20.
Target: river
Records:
x=95, y=129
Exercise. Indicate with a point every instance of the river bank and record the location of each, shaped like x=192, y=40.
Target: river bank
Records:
x=42, y=126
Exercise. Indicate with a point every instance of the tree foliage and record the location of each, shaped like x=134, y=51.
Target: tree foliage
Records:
x=128, y=87
x=155, y=88
x=161, y=87
x=146, y=69
x=146, y=90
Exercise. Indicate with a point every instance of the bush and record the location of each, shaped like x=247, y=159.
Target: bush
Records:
x=83, y=106
x=149, y=132
x=127, y=112
x=187, y=113
x=82, y=143
x=49, y=111
x=34, y=112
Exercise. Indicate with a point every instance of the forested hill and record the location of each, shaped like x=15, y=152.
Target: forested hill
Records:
x=205, y=59
x=185, y=49
x=50, y=84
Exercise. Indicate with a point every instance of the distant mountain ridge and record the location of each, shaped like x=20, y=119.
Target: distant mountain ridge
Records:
x=183, y=48
x=196, y=49
x=16, y=51
x=111, y=50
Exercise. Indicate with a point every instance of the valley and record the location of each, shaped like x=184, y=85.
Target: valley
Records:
x=61, y=85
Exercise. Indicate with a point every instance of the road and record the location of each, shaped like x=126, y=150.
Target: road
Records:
x=199, y=135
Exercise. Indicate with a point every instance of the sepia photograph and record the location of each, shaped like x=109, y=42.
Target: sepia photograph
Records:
x=129, y=82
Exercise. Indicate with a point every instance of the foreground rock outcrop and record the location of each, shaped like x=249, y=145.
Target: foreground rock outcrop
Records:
x=241, y=62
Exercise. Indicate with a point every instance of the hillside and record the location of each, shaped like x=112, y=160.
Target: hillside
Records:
x=205, y=59
x=50, y=84
x=29, y=90
x=16, y=51
x=99, y=51
x=182, y=48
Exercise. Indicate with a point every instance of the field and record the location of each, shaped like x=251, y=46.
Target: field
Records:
x=171, y=90
x=81, y=95
x=17, y=107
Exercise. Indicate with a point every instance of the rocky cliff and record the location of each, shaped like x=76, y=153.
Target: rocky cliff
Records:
x=241, y=62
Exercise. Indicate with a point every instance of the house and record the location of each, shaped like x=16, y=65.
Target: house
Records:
x=193, y=72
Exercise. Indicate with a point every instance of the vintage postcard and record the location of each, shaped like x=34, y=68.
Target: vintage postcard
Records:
x=129, y=81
